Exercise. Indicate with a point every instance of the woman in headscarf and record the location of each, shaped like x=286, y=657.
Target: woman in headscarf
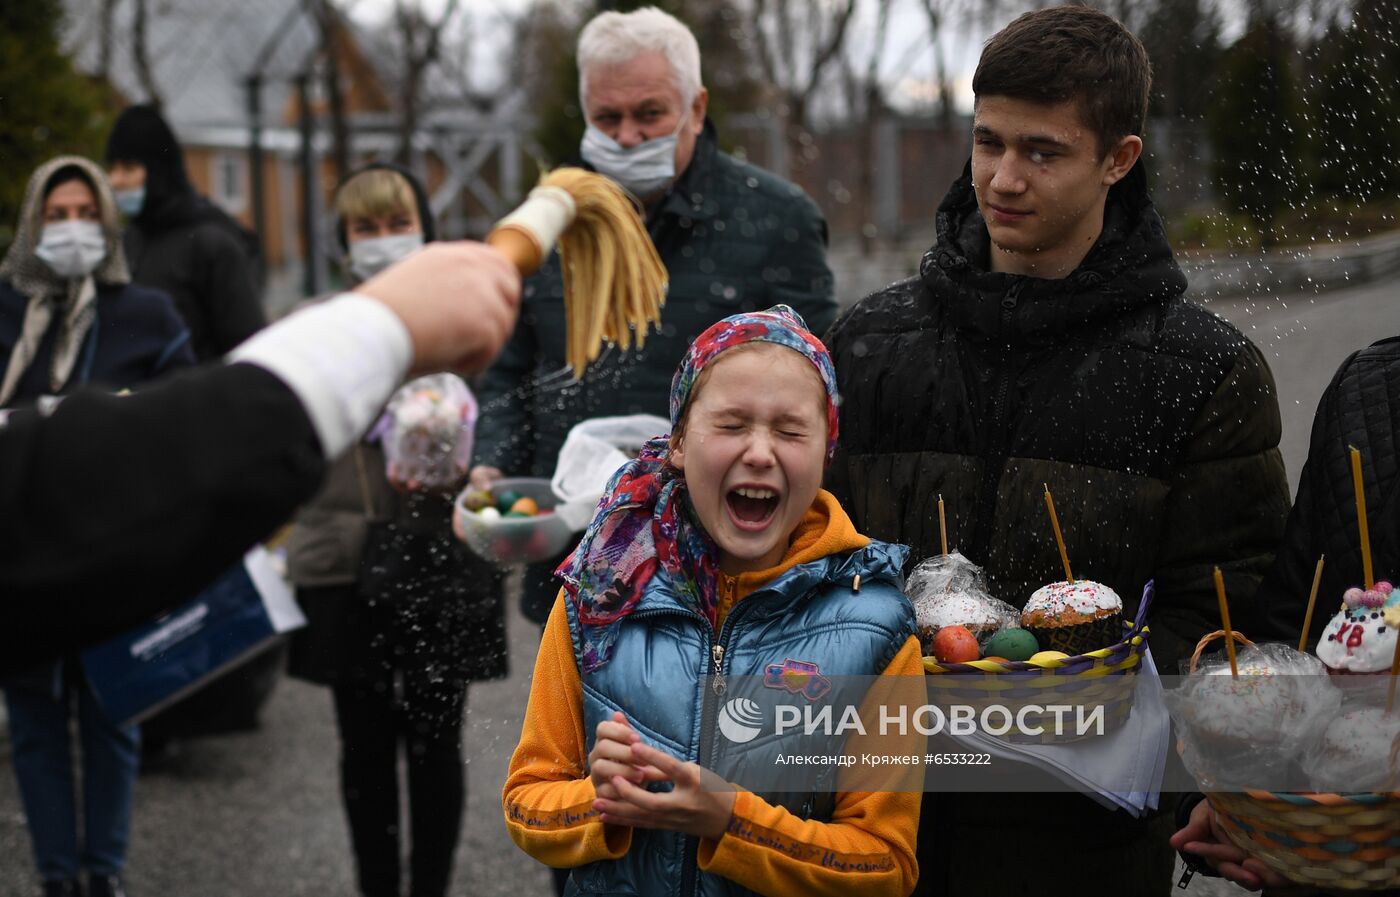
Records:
x=69, y=316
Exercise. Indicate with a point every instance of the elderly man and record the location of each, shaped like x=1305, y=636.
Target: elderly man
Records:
x=732, y=236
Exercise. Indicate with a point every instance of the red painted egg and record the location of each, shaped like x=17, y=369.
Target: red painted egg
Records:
x=955, y=644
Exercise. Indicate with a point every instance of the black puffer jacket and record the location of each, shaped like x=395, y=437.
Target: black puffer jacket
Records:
x=1361, y=407
x=1154, y=422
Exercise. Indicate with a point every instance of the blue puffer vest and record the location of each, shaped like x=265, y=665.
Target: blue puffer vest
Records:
x=810, y=612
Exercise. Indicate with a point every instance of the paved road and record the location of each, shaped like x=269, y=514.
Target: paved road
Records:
x=259, y=814
x=1305, y=338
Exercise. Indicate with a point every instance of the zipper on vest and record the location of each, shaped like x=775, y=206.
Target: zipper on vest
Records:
x=709, y=709
x=999, y=451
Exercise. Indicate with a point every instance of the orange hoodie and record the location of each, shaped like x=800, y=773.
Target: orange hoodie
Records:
x=867, y=848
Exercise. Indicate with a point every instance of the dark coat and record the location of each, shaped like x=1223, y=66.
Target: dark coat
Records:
x=1155, y=425
x=421, y=602
x=136, y=337
x=382, y=579
x=192, y=250
x=1361, y=408
x=1153, y=421
x=733, y=238
x=120, y=507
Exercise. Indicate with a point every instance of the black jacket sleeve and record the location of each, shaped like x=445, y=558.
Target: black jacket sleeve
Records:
x=1227, y=507
x=230, y=288
x=114, y=508
x=506, y=397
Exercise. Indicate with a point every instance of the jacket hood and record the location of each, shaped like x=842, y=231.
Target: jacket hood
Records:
x=142, y=135
x=826, y=550
x=420, y=197
x=1130, y=266
x=24, y=270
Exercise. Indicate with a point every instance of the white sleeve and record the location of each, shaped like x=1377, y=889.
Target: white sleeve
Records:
x=342, y=358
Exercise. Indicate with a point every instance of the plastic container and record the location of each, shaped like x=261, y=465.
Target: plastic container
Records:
x=516, y=540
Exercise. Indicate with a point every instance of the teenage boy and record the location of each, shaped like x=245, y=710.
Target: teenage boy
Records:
x=1046, y=341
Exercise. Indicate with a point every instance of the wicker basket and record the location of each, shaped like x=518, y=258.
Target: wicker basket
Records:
x=1342, y=842
x=1347, y=842
x=1089, y=681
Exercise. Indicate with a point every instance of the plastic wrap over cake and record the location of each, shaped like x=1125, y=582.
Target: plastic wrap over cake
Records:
x=949, y=590
x=427, y=432
x=1249, y=730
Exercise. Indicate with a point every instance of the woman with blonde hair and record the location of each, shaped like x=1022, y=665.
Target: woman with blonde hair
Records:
x=401, y=618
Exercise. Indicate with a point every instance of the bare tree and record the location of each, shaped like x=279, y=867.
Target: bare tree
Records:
x=105, y=33
x=796, y=42
x=420, y=46
x=937, y=13
x=141, y=54
x=866, y=106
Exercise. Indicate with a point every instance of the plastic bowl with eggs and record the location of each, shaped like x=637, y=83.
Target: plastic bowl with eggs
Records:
x=516, y=540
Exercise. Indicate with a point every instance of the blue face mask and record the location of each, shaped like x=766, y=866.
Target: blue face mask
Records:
x=644, y=170
x=130, y=202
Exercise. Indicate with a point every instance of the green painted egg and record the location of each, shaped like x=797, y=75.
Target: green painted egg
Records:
x=1013, y=644
x=505, y=499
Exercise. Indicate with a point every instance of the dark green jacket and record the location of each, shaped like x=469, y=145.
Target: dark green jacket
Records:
x=733, y=237
x=1154, y=422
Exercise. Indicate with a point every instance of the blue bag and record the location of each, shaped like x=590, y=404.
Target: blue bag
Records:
x=241, y=613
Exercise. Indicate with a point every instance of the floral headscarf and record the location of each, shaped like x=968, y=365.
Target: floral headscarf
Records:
x=642, y=522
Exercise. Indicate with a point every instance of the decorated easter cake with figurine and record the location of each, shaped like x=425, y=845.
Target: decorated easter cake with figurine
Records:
x=1361, y=637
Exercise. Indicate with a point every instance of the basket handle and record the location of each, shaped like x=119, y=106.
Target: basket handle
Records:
x=1219, y=633
x=1390, y=780
x=1140, y=620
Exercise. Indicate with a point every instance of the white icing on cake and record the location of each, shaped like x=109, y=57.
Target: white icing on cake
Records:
x=1258, y=706
x=1354, y=754
x=1358, y=640
x=955, y=609
x=1083, y=596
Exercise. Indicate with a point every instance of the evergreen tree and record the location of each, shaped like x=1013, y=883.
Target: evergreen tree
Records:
x=1182, y=38
x=1355, y=107
x=1256, y=125
x=46, y=107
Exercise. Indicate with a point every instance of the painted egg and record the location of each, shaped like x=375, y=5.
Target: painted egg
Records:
x=1047, y=656
x=526, y=506
x=513, y=514
x=506, y=499
x=477, y=499
x=1013, y=644
x=490, y=514
x=955, y=644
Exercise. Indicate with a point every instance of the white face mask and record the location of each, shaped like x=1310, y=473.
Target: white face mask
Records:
x=369, y=257
x=72, y=248
x=644, y=170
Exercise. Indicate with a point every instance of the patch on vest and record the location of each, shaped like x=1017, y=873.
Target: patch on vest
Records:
x=798, y=677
